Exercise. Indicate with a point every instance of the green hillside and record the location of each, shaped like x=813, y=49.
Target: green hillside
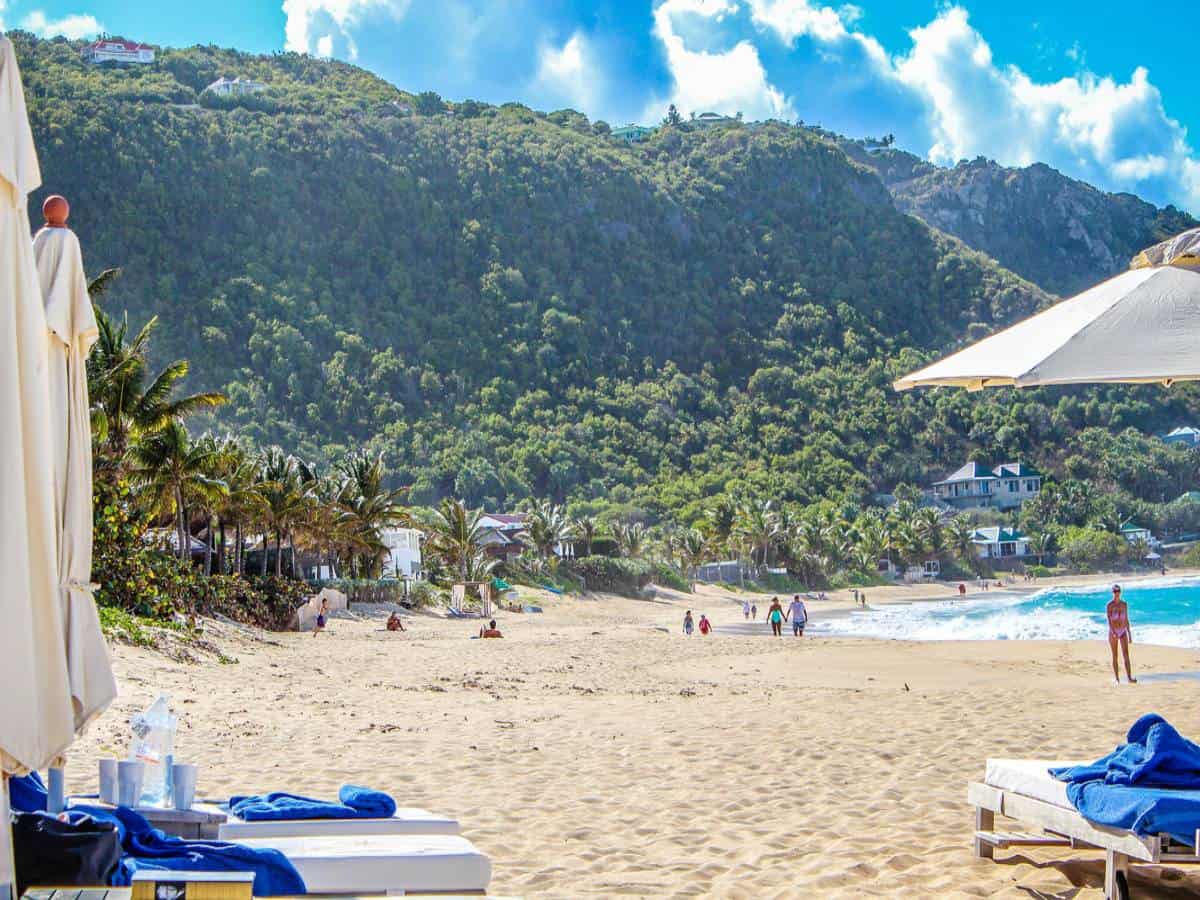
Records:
x=511, y=304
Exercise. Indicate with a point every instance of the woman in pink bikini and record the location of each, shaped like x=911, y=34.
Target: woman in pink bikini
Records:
x=1119, y=632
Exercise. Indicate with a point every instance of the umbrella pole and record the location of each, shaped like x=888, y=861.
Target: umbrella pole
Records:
x=8, y=868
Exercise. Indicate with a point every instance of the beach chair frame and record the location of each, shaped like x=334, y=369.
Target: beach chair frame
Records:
x=1063, y=827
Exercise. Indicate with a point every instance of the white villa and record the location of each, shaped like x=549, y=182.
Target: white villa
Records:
x=1003, y=487
x=1185, y=435
x=1133, y=533
x=1000, y=543
x=633, y=134
x=105, y=50
x=403, y=558
x=705, y=119
x=236, y=87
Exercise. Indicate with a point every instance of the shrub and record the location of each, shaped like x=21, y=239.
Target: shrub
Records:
x=609, y=573
x=668, y=577
x=1038, y=571
x=422, y=594
x=1090, y=548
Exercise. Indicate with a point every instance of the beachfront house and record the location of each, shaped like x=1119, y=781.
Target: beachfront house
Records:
x=997, y=542
x=105, y=50
x=1132, y=532
x=403, y=558
x=1005, y=486
x=502, y=533
x=1185, y=435
x=234, y=87
x=633, y=134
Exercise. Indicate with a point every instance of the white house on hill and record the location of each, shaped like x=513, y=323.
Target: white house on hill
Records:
x=1003, y=487
x=235, y=87
x=117, y=51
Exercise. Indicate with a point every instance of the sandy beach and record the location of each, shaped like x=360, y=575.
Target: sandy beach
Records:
x=596, y=751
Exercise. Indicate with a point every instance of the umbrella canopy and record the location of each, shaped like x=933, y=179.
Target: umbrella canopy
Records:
x=71, y=333
x=37, y=722
x=1142, y=326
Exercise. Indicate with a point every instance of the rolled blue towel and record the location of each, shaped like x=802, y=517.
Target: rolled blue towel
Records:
x=367, y=803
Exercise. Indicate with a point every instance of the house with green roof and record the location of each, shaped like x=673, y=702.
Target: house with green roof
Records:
x=1134, y=532
x=997, y=542
x=633, y=134
x=975, y=485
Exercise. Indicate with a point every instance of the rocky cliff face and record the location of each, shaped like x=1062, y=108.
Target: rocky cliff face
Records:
x=1062, y=234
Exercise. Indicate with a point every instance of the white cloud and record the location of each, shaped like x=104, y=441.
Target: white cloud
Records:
x=568, y=73
x=728, y=81
x=75, y=26
x=325, y=27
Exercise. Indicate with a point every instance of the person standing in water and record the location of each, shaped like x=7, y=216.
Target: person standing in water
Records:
x=1119, y=633
x=687, y=623
x=799, y=616
x=746, y=609
x=775, y=617
x=754, y=611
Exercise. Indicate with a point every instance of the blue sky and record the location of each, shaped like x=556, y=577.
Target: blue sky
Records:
x=1089, y=88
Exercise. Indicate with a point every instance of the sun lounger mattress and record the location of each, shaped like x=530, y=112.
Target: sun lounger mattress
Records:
x=1029, y=777
x=405, y=821
x=378, y=863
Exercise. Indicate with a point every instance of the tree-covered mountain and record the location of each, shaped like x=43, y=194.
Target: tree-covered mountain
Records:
x=511, y=304
x=1064, y=235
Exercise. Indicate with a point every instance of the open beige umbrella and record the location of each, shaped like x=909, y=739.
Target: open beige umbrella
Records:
x=1142, y=326
x=37, y=722
x=71, y=333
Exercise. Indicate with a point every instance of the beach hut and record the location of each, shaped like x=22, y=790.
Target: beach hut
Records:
x=458, y=596
x=1139, y=327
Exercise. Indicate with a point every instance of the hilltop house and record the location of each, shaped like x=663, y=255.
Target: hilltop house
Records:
x=403, y=559
x=1133, y=533
x=705, y=119
x=999, y=543
x=236, y=87
x=1186, y=435
x=1003, y=487
x=633, y=134
x=105, y=50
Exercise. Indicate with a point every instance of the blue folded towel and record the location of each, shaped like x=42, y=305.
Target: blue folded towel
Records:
x=1149, y=785
x=145, y=847
x=354, y=803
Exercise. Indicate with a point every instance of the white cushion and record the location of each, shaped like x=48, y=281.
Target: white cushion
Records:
x=379, y=863
x=406, y=821
x=1031, y=778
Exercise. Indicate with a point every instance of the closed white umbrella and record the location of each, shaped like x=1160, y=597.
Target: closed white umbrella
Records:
x=37, y=722
x=1142, y=326
x=71, y=331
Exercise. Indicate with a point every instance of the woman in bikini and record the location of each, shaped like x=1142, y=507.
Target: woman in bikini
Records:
x=1119, y=632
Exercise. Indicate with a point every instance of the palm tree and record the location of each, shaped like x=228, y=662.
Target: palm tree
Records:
x=369, y=506
x=285, y=497
x=631, y=539
x=547, y=528
x=586, y=529
x=759, y=525
x=1042, y=545
x=126, y=400
x=242, y=502
x=174, y=471
x=693, y=549
x=457, y=537
x=721, y=518
x=961, y=532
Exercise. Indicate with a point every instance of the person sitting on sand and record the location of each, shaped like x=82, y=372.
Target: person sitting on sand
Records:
x=775, y=617
x=394, y=623
x=320, y=626
x=1119, y=632
x=491, y=631
x=799, y=616
x=705, y=625
x=688, y=625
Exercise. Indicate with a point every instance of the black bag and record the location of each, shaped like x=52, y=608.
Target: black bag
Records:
x=50, y=853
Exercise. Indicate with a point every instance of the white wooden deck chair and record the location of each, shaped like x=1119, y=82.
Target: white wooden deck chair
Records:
x=409, y=820
x=1023, y=789
x=394, y=864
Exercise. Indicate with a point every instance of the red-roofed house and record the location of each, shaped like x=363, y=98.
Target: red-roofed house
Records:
x=105, y=50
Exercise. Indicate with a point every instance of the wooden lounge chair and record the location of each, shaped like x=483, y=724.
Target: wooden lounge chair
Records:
x=1023, y=789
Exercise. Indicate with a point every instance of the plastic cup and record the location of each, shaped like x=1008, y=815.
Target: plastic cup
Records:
x=56, y=792
x=130, y=775
x=108, y=781
x=183, y=780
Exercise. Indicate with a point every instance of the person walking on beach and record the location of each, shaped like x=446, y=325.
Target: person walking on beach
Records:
x=705, y=625
x=687, y=623
x=775, y=617
x=799, y=615
x=746, y=609
x=321, y=616
x=1119, y=632
x=754, y=611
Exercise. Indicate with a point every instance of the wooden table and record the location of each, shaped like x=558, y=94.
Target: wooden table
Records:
x=198, y=823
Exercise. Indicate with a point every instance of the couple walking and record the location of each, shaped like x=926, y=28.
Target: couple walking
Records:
x=796, y=611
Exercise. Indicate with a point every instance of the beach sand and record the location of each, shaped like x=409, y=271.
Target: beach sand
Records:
x=591, y=753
